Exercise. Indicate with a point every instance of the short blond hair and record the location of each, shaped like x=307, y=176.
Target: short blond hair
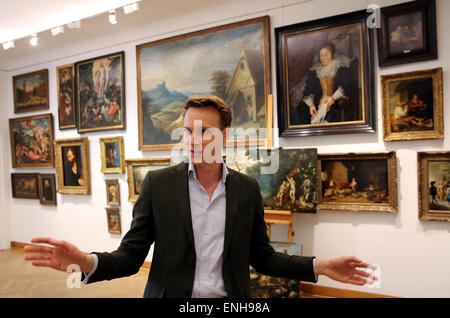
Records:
x=198, y=101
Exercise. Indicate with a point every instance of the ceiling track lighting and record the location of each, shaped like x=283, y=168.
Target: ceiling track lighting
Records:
x=131, y=8
x=127, y=9
x=57, y=30
x=8, y=45
x=74, y=24
x=112, y=16
x=34, y=39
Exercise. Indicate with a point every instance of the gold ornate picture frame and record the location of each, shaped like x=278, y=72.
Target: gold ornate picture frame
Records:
x=73, y=166
x=113, y=220
x=358, y=182
x=112, y=154
x=413, y=105
x=434, y=185
x=137, y=169
x=112, y=192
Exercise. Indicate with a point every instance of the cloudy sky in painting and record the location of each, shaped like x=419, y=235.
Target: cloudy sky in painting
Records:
x=186, y=65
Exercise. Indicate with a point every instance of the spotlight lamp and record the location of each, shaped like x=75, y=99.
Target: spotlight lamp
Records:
x=57, y=30
x=131, y=8
x=34, y=39
x=8, y=45
x=112, y=16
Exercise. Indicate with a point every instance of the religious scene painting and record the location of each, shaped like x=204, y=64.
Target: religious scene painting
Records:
x=230, y=61
x=412, y=105
x=325, y=80
x=434, y=185
x=113, y=220
x=101, y=93
x=292, y=186
x=25, y=185
x=112, y=154
x=112, y=192
x=66, y=96
x=358, y=182
x=31, y=91
x=32, y=141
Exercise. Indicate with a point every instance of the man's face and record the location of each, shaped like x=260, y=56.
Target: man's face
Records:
x=202, y=127
x=70, y=156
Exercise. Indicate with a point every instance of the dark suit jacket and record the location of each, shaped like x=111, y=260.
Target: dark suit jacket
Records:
x=162, y=216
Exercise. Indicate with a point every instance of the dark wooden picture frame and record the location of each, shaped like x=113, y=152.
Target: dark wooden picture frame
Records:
x=67, y=114
x=100, y=99
x=25, y=185
x=220, y=55
x=358, y=182
x=407, y=33
x=47, y=188
x=31, y=91
x=31, y=140
x=340, y=89
x=433, y=171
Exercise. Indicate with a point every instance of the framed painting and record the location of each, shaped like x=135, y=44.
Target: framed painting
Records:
x=47, y=189
x=230, y=61
x=407, y=33
x=113, y=219
x=289, y=178
x=67, y=115
x=434, y=185
x=24, y=185
x=413, y=105
x=101, y=93
x=137, y=169
x=72, y=166
x=325, y=76
x=359, y=182
x=31, y=140
x=30, y=91
x=112, y=153
x=112, y=192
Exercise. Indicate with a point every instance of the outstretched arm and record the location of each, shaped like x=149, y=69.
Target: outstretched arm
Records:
x=58, y=256
x=345, y=270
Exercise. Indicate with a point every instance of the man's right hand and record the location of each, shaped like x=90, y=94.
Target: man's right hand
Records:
x=58, y=256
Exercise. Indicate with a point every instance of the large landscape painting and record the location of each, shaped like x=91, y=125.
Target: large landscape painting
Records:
x=230, y=61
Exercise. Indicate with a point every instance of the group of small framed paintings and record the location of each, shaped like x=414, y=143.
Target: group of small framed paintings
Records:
x=34, y=186
x=326, y=81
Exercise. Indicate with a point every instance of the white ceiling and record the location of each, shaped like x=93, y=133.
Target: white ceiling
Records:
x=20, y=18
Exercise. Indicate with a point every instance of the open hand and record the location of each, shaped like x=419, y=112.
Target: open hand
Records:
x=58, y=256
x=344, y=269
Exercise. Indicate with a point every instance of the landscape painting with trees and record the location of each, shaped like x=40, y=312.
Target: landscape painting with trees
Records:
x=230, y=61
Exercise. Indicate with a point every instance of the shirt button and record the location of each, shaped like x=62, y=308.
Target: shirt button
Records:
x=203, y=254
x=206, y=232
x=202, y=277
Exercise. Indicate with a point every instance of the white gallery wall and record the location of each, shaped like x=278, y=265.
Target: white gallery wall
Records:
x=413, y=255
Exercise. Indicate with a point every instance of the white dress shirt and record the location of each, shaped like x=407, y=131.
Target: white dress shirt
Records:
x=208, y=224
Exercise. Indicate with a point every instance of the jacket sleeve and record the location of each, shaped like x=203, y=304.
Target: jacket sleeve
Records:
x=266, y=260
x=133, y=249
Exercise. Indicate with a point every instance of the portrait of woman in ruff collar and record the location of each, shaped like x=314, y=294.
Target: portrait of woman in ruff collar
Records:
x=325, y=87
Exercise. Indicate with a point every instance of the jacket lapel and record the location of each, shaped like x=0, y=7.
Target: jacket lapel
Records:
x=181, y=194
x=232, y=193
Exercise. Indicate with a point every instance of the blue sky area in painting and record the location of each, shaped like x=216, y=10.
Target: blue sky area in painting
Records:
x=186, y=65
x=31, y=82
